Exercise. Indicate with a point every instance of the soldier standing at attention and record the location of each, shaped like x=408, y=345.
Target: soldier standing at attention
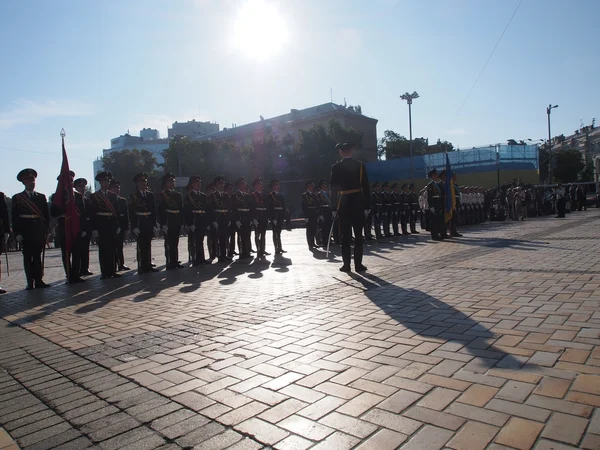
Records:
x=310, y=207
x=386, y=201
x=405, y=205
x=414, y=208
x=105, y=224
x=219, y=203
x=397, y=208
x=377, y=211
x=31, y=220
x=233, y=235
x=351, y=183
x=115, y=188
x=454, y=220
x=261, y=216
x=325, y=217
x=212, y=240
x=170, y=217
x=198, y=220
x=4, y=231
x=276, y=207
x=442, y=184
x=436, y=206
x=84, y=207
x=242, y=214
x=142, y=217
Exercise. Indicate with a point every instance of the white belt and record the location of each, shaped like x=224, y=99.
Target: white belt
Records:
x=173, y=211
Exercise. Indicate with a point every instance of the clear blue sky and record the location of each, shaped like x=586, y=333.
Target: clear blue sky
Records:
x=98, y=68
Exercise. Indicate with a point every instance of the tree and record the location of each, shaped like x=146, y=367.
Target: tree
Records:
x=543, y=161
x=125, y=164
x=569, y=163
x=393, y=145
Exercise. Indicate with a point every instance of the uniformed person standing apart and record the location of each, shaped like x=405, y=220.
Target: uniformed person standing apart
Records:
x=170, y=217
x=4, y=231
x=197, y=219
x=310, y=207
x=261, y=216
x=115, y=188
x=84, y=207
x=219, y=202
x=436, y=206
x=276, y=205
x=31, y=220
x=142, y=218
x=105, y=224
x=350, y=181
x=415, y=209
x=242, y=214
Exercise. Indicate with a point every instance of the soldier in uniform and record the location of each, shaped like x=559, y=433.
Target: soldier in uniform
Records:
x=242, y=215
x=115, y=188
x=325, y=216
x=310, y=208
x=233, y=235
x=170, y=217
x=212, y=241
x=84, y=207
x=197, y=219
x=72, y=261
x=276, y=207
x=105, y=224
x=142, y=217
x=405, y=207
x=386, y=201
x=377, y=211
x=454, y=220
x=436, y=206
x=31, y=219
x=415, y=210
x=351, y=183
x=220, y=207
x=4, y=231
x=442, y=184
x=261, y=216
x=425, y=213
x=397, y=210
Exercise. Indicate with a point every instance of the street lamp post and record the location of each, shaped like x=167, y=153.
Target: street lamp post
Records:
x=548, y=111
x=409, y=99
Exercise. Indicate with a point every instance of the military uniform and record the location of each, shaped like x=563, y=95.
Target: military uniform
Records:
x=310, y=208
x=276, y=205
x=142, y=219
x=220, y=206
x=170, y=218
x=387, y=207
x=260, y=207
x=350, y=181
x=4, y=231
x=105, y=223
x=84, y=209
x=376, y=202
x=455, y=214
x=415, y=209
x=198, y=220
x=405, y=208
x=436, y=208
x=123, y=221
x=242, y=215
x=396, y=208
x=325, y=216
x=444, y=227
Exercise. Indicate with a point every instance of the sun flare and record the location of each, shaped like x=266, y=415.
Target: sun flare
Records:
x=259, y=30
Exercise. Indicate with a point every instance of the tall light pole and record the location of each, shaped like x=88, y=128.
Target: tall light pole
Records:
x=409, y=99
x=548, y=111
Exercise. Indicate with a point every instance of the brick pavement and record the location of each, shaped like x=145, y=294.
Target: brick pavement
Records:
x=487, y=342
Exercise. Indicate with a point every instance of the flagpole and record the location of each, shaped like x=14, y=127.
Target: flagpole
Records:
x=67, y=252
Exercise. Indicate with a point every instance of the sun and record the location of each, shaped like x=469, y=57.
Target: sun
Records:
x=259, y=31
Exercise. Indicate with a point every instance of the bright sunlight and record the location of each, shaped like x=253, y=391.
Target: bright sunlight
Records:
x=259, y=30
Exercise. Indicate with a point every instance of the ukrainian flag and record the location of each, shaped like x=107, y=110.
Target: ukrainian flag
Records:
x=450, y=193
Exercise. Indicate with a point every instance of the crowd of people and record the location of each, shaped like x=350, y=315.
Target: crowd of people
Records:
x=226, y=214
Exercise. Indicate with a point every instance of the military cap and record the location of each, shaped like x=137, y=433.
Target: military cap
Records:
x=274, y=182
x=322, y=182
x=308, y=183
x=168, y=176
x=103, y=176
x=375, y=184
x=412, y=185
x=256, y=181
x=395, y=185
x=432, y=171
x=25, y=173
x=140, y=176
x=339, y=146
x=80, y=181
x=385, y=184
x=219, y=179
x=405, y=185
x=70, y=173
x=114, y=183
x=240, y=180
x=194, y=178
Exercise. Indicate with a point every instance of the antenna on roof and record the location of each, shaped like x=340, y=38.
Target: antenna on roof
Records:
x=331, y=94
x=344, y=102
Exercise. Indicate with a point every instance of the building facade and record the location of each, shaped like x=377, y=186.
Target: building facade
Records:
x=193, y=129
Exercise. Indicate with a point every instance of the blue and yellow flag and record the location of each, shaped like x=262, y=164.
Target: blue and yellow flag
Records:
x=450, y=194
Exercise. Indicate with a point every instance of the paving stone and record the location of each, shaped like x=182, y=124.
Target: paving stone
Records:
x=305, y=427
x=552, y=387
x=438, y=399
x=220, y=441
x=263, y=431
x=348, y=425
x=565, y=428
x=587, y=383
x=201, y=434
x=519, y=433
x=515, y=391
x=473, y=436
x=560, y=405
x=478, y=395
x=392, y=421
x=428, y=438
x=519, y=410
x=294, y=442
x=399, y=401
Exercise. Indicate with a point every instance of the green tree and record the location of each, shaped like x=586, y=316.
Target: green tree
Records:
x=543, y=161
x=569, y=163
x=125, y=164
x=397, y=146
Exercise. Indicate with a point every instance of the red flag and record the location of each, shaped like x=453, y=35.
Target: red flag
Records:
x=65, y=200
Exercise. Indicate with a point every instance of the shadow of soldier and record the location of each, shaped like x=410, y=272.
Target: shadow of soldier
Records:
x=416, y=314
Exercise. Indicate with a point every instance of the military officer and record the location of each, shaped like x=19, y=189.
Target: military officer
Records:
x=31, y=219
x=415, y=209
x=397, y=210
x=425, y=213
x=405, y=206
x=197, y=219
x=436, y=206
x=142, y=219
x=115, y=188
x=242, y=215
x=454, y=220
x=350, y=181
x=260, y=203
x=220, y=206
x=310, y=208
x=84, y=207
x=276, y=205
x=325, y=216
x=442, y=184
x=386, y=200
x=105, y=224
x=212, y=240
x=170, y=218
x=4, y=231
x=377, y=211
x=233, y=235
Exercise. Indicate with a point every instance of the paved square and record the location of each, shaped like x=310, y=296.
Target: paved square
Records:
x=489, y=341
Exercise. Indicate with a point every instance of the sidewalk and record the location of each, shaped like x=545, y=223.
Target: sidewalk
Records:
x=487, y=342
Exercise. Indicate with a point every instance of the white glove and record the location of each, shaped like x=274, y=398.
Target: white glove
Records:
x=367, y=212
x=136, y=232
x=216, y=225
x=83, y=234
x=255, y=222
x=238, y=224
x=306, y=220
x=432, y=209
x=334, y=214
x=192, y=228
x=19, y=238
x=165, y=229
x=118, y=230
x=274, y=222
x=94, y=234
